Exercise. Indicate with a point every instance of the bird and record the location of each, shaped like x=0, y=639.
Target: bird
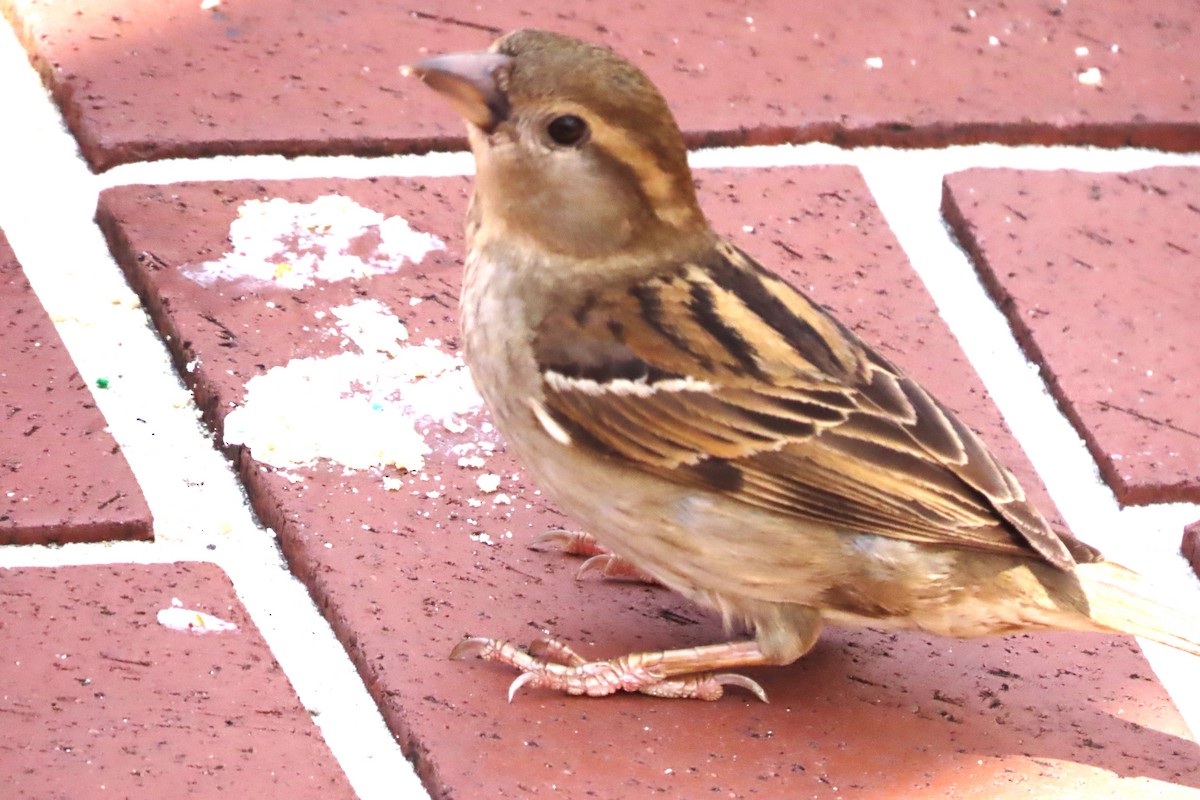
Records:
x=712, y=428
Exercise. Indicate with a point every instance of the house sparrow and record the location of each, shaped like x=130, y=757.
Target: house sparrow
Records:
x=711, y=425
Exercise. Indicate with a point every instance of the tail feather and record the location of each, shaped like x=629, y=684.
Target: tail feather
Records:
x=1122, y=601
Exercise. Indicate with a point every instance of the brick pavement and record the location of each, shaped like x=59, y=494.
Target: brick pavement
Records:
x=327, y=306
x=65, y=479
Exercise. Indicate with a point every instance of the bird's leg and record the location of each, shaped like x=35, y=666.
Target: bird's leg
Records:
x=580, y=543
x=685, y=673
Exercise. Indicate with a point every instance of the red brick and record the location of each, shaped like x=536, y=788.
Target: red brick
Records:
x=401, y=578
x=1096, y=273
x=1191, y=545
x=62, y=477
x=100, y=699
x=145, y=79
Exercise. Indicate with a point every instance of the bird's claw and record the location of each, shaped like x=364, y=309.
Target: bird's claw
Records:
x=555, y=650
x=578, y=543
x=613, y=567
x=573, y=543
x=471, y=646
x=521, y=680
x=551, y=664
x=741, y=681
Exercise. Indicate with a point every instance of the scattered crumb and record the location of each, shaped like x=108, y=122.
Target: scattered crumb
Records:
x=333, y=408
x=183, y=619
x=372, y=326
x=294, y=245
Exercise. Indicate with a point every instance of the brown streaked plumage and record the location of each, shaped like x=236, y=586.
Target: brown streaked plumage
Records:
x=816, y=423
x=709, y=423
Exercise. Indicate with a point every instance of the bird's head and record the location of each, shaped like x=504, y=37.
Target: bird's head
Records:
x=576, y=152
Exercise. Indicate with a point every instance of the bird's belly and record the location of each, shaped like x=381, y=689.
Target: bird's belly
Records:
x=737, y=559
x=711, y=549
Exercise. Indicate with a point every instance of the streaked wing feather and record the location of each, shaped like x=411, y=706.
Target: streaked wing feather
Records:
x=719, y=375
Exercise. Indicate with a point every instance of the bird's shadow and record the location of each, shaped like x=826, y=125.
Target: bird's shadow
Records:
x=891, y=713
x=1080, y=699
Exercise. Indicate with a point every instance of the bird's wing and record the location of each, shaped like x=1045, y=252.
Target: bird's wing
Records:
x=719, y=375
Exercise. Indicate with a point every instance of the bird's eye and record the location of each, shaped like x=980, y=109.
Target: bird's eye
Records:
x=567, y=130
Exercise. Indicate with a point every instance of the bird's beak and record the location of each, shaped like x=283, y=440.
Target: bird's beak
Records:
x=471, y=82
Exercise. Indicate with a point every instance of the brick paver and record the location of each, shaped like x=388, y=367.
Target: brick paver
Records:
x=406, y=564
x=107, y=693
x=316, y=323
x=1097, y=274
x=145, y=79
x=62, y=477
x=1191, y=545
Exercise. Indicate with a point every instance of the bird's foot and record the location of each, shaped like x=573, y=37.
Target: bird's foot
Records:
x=686, y=673
x=599, y=558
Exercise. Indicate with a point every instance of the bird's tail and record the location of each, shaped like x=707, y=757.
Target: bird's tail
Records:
x=1122, y=601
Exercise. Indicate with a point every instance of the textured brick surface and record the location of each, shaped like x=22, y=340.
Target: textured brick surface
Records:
x=1097, y=274
x=62, y=478
x=143, y=79
x=1191, y=545
x=406, y=564
x=101, y=699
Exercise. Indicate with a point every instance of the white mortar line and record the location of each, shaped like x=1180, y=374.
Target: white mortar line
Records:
x=907, y=187
x=237, y=168
x=47, y=200
x=46, y=209
x=908, y=192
